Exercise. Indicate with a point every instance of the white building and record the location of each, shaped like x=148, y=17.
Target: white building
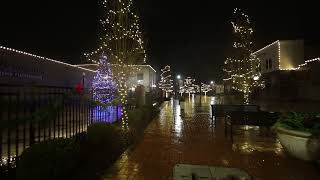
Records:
x=218, y=89
x=280, y=55
x=146, y=76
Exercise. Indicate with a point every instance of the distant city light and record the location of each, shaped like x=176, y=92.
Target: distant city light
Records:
x=212, y=82
x=178, y=77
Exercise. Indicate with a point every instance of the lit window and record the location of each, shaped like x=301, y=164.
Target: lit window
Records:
x=140, y=76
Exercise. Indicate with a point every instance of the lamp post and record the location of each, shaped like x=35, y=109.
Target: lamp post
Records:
x=177, y=85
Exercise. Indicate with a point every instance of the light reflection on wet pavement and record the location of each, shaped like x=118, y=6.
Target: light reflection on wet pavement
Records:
x=194, y=138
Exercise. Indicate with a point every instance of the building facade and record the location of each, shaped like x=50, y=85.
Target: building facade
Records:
x=22, y=68
x=280, y=55
x=146, y=76
x=287, y=76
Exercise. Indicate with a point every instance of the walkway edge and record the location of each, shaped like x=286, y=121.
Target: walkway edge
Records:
x=109, y=172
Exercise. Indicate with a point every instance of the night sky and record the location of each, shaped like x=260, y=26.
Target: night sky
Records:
x=194, y=37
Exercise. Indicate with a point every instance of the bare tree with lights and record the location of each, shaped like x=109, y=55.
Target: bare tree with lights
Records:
x=205, y=88
x=122, y=42
x=189, y=86
x=239, y=67
x=166, y=82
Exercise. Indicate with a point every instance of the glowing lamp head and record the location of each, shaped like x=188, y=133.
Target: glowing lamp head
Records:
x=256, y=78
x=178, y=77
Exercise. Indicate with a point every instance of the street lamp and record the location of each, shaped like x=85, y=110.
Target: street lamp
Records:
x=212, y=82
x=177, y=84
x=256, y=78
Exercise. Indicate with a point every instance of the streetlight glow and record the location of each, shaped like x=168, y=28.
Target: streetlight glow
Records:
x=178, y=77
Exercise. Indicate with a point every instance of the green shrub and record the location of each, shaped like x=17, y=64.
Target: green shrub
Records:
x=53, y=159
x=105, y=142
x=305, y=122
x=138, y=120
x=135, y=117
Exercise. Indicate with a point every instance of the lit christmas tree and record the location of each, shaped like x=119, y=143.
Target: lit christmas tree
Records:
x=166, y=82
x=205, y=88
x=239, y=68
x=103, y=86
x=123, y=43
x=189, y=86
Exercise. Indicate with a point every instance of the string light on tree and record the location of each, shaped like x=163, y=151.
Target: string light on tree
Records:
x=206, y=88
x=103, y=86
x=189, y=86
x=122, y=42
x=240, y=68
x=166, y=82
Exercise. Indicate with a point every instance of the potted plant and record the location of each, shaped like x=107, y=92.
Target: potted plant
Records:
x=299, y=134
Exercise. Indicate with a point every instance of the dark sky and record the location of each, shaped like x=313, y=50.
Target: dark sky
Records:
x=191, y=36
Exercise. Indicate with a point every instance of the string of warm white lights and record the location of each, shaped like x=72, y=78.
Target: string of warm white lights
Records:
x=278, y=44
x=205, y=88
x=119, y=24
x=304, y=64
x=166, y=82
x=43, y=58
x=122, y=42
x=239, y=68
x=189, y=86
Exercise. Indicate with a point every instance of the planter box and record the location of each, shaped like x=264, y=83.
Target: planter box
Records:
x=299, y=144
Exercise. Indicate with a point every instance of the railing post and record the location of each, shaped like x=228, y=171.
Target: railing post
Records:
x=9, y=129
x=32, y=132
x=39, y=123
x=25, y=105
x=17, y=123
x=117, y=112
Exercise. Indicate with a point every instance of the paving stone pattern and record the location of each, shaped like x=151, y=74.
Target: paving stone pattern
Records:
x=190, y=136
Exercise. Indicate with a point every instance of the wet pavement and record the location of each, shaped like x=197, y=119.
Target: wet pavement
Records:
x=190, y=136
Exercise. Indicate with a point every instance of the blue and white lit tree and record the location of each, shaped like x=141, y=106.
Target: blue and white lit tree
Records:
x=103, y=85
x=122, y=40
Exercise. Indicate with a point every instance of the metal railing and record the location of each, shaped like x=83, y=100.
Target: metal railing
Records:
x=31, y=114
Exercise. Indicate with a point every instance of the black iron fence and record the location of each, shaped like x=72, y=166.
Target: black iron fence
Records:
x=29, y=115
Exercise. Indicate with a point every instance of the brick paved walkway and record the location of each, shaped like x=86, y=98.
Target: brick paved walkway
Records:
x=194, y=138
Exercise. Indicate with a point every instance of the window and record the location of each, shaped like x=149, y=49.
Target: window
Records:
x=140, y=76
x=257, y=68
x=270, y=63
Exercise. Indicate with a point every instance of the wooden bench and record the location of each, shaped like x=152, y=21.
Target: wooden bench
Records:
x=221, y=110
x=250, y=118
